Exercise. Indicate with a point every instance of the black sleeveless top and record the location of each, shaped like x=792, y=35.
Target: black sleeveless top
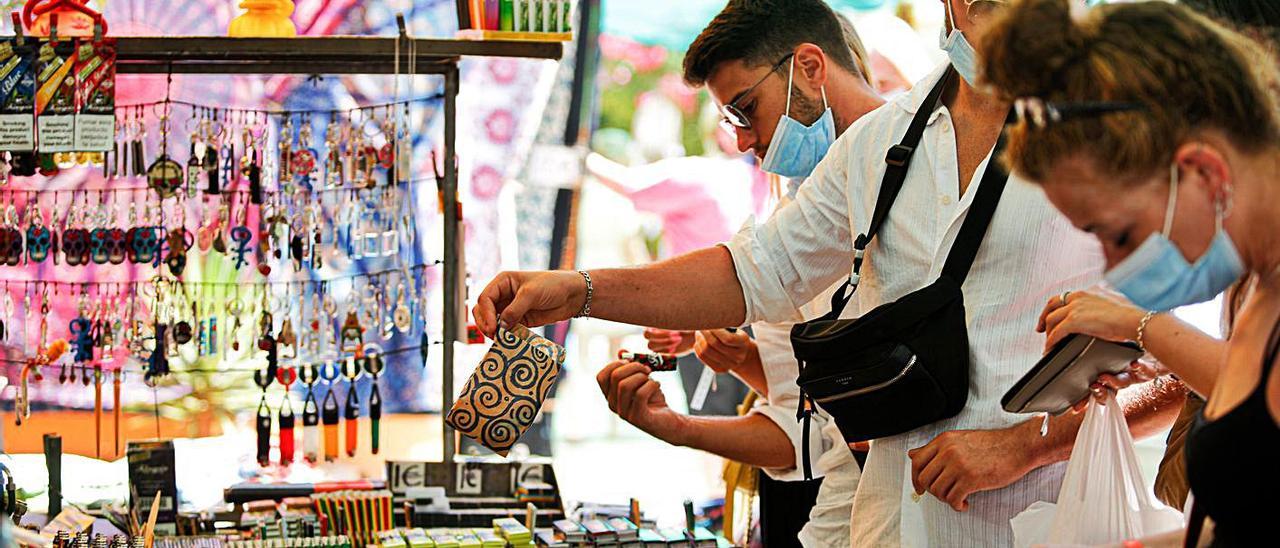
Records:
x=1233, y=464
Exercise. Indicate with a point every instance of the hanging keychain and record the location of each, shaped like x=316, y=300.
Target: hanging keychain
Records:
x=285, y=150
x=333, y=153
x=263, y=379
x=117, y=377
x=309, y=375
x=251, y=168
x=351, y=370
x=373, y=365
x=195, y=163
x=286, y=376
x=97, y=409
x=212, y=162
x=329, y=412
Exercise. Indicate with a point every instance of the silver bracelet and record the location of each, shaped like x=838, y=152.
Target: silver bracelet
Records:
x=1142, y=328
x=586, y=306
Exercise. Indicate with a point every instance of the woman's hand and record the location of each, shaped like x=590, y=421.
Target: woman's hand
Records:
x=1104, y=315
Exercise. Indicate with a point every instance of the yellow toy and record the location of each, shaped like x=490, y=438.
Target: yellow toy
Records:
x=264, y=19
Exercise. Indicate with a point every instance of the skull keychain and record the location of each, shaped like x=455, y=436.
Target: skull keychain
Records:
x=351, y=413
x=286, y=376
x=329, y=411
x=373, y=365
x=11, y=245
x=99, y=237
x=263, y=379
x=144, y=243
x=39, y=237
x=309, y=375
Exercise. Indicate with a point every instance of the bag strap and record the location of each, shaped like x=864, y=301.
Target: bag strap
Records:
x=898, y=161
x=965, y=249
x=1194, y=525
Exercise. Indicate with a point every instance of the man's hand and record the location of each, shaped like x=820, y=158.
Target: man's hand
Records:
x=725, y=352
x=664, y=341
x=1107, y=384
x=638, y=399
x=530, y=299
x=958, y=463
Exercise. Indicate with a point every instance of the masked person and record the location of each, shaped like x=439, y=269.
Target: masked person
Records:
x=1166, y=338
x=1164, y=143
x=979, y=467
x=796, y=64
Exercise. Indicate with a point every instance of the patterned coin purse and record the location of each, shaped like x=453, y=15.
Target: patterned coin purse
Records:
x=505, y=393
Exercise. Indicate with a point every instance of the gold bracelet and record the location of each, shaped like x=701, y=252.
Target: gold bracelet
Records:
x=1142, y=328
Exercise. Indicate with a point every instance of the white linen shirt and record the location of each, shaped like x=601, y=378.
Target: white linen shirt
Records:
x=1030, y=254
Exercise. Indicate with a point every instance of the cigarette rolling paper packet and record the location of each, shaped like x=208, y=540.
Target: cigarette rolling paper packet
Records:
x=571, y=531
x=513, y=531
x=505, y=393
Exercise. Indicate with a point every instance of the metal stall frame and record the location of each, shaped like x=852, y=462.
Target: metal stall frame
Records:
x=351, y=55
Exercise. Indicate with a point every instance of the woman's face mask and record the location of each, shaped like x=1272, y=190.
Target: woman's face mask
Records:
x=1156, y=276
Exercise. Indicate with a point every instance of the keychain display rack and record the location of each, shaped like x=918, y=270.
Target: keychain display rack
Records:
x=348, y=55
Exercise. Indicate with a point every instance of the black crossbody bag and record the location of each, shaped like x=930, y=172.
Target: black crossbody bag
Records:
x=904, y=364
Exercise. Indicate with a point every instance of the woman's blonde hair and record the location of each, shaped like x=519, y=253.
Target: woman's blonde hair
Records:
x=1189, y=73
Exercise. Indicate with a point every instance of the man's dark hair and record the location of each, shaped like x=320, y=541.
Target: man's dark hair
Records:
x=760, y=32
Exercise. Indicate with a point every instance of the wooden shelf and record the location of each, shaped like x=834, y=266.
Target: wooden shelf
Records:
x=310, y=55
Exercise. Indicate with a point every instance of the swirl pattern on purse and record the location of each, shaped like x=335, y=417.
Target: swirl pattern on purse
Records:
x=506, y=391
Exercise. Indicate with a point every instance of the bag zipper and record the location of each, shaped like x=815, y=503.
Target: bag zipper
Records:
x=860, y=391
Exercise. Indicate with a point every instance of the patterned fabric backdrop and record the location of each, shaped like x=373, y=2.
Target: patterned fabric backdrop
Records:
x=499, y=110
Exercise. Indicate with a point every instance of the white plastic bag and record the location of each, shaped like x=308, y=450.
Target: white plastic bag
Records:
x=1103, y=498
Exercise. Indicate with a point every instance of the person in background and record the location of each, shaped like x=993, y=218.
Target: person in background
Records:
x=1166, y=338
x=1168, y=157
x=980, y=467
x=737, y=58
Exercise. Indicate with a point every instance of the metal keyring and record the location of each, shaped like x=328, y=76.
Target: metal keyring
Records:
x=263, y=379
x=308, y=374
x=330, y=371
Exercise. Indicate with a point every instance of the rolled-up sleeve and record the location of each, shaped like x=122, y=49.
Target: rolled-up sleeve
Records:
x=803, y=248
x=785, y=418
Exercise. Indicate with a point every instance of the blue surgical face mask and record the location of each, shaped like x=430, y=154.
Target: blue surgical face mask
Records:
x=959, y=51
x=1157, y=277
x=796, y=148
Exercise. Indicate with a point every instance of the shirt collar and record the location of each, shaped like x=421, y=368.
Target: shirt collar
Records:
x=920, y=91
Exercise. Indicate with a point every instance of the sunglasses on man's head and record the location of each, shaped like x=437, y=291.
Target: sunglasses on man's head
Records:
x=731, y=114
x=1039, y=114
